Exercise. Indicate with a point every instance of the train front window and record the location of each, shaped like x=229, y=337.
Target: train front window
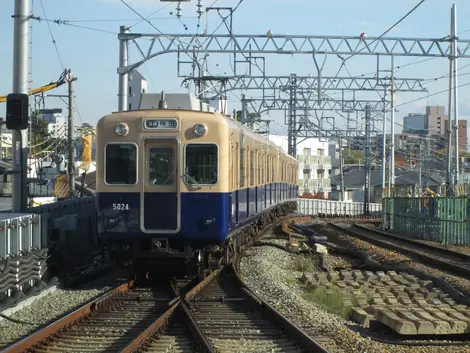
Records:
x=161, y=166
x=121, y=164
x=201, y=164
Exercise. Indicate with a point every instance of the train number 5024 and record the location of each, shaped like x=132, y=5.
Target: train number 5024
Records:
x=120, y=206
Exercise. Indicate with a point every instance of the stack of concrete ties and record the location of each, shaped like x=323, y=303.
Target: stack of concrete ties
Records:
x=405, y=303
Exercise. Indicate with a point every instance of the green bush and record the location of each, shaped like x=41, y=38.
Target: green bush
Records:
x=332, y=300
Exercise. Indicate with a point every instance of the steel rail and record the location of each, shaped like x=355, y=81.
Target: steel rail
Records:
x=39, y=336
x=400, y=244
x=286, y=324
x=418, y=242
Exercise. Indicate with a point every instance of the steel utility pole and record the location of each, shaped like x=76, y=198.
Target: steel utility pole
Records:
x=21, y=36
x=455, y=54
x=123, y=77
x=341, y=167
x=392, y=130
x=70, y=142
x=367, y=162
x=384, y=146
x=450, y=180
x=292, y=118
x=244, y=102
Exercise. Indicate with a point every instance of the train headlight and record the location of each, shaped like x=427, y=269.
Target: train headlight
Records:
x=200, y=130
x=122, y=129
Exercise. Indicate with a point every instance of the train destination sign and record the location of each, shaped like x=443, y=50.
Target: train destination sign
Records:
x=161, y=124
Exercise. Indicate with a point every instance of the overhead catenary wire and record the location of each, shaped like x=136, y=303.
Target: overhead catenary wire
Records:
x=380, y=36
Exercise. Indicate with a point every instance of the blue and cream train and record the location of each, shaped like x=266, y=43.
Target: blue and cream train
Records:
x=181, y=183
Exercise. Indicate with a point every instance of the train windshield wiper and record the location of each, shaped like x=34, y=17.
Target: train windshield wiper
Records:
x=191, y=180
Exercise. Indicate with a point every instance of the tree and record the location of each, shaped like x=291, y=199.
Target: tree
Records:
x=40, y=133
x=249, y=116
x=353, y=156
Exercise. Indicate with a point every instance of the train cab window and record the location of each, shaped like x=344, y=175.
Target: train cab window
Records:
x=201, y=164
x=161, y=166
x=121, y=164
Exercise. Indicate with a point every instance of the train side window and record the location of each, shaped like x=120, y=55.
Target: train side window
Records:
x=242, y=167
x=272, y=170
x=161, y=166
x=120, y=164
x=262, y=168
x=252, y=168
x=201, y=164
x=267, y=169
x=258, y=157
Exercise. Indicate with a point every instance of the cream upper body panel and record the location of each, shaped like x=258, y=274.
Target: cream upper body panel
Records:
x=217, y=132
x=227, y=134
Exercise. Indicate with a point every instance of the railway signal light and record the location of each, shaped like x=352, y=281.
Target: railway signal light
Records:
x=17, y=111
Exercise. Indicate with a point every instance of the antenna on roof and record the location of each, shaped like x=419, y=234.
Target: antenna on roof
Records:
x=162, y=102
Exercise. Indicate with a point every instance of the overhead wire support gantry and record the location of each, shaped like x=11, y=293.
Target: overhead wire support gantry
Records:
x=161, y=43
x=250, y=45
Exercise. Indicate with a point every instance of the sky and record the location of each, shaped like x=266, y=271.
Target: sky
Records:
x=86, y=42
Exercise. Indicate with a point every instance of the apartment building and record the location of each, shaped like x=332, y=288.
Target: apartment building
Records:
x=434, y=122
x=314, y=164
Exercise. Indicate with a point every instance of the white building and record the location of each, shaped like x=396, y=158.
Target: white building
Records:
x=314, y=164
x=57, y=122
x=137, y=86
x=6, y=140
x=220, y=105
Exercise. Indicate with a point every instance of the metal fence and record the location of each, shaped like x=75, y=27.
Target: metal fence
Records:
x=317, y=207
x=21, y=259
x=440, y=219
x=71, y=216
x=19, y=234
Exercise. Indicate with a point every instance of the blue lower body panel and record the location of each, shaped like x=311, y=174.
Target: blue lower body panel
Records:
x=206, y=218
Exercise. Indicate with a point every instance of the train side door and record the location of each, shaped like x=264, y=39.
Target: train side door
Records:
x=161, y=197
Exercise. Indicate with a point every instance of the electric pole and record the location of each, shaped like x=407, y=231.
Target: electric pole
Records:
x=292, y=117
x=244, y=108
x=384, y=146
x=123, y=76
x=367, y=162
x=391, y=181
x=71, y=146
x=21, y=36
x=341, y=167
x=455, y=55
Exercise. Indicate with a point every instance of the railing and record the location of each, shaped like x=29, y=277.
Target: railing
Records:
x=309, y=161
x=315, y=183
x=439, y=219
x=317, y=207
x=23, y=253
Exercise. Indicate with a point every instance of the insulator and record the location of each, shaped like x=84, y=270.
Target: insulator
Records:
x=179, y=9
x=199, y=8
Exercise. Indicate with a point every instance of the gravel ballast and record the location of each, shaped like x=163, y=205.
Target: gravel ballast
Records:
x=44, y=311
x=273, y=274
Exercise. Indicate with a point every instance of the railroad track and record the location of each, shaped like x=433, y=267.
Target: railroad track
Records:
x=217, y=314
x=116, y=322
x=451, y=261
x=233, y=319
